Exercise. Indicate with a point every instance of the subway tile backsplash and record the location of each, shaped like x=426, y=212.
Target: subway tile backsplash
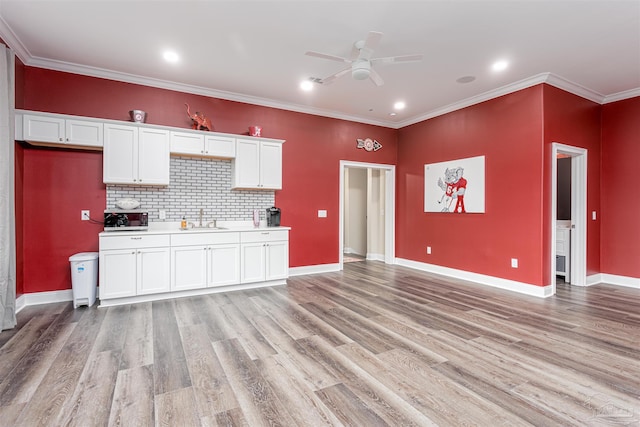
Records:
x=196, y=183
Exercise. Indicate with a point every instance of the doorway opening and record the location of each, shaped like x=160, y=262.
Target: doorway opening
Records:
x=569, y=236
x=367, y=212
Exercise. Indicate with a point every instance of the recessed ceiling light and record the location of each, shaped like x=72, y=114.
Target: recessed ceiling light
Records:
x=500, y=65
x=466, y=79
x=306, y=85
x=393, y=114
x=170, y=56
x=399, y=105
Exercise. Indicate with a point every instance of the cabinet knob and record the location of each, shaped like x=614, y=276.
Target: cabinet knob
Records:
x=60, y=139
x=133, y=253
x=67, y=139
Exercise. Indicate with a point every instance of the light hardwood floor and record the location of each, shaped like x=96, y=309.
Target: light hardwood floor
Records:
x=373, y=345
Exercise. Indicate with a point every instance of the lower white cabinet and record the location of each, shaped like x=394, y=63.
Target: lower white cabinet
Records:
x=204, y=260
x=264, y=256
x=136, y=265
x=133, y=265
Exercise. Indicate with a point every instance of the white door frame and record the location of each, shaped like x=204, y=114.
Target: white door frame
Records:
x=389, y=207
x=578, y=261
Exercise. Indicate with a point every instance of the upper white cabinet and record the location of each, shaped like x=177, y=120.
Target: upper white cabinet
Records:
x=58, y=130
x=258, y=164
x=202, y=144
x=135, y=155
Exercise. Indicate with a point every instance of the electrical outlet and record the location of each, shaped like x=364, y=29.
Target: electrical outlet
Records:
x=593, y=215
x=85, y=215
x=322, y=213
x=428, y=250
x=162, y=214
x=514, y=262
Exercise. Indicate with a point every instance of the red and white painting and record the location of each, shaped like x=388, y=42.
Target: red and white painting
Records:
x=455, y=186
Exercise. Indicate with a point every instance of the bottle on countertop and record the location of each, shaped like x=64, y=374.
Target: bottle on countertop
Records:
x=183, y=223
x=256, y=217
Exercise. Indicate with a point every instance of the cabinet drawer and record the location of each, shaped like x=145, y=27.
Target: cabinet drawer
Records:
x=134, y=242
x=202, y=238
x=264, y=236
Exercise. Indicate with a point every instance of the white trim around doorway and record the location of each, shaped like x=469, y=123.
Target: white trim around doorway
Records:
x=390, y=207
x=578, y=212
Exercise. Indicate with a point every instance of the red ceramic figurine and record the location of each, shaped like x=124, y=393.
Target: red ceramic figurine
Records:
x=200, y=121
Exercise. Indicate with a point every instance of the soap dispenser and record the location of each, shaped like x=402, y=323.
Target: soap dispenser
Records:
x=183, y=223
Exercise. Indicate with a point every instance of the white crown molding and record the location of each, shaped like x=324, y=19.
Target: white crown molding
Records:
x=504, y=90
x=23, y=54
x=574, y=88
x=620, y=96
x=197, y=90
x=10, y=38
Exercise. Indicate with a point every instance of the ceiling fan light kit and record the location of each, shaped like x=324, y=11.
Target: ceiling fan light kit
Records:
x=361, y=70
x=361, y=61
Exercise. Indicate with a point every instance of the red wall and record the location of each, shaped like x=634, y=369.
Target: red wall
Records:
x=57, y=184
x=620, y=248
x=575, y=121
x=508, y=132
x=311, y=154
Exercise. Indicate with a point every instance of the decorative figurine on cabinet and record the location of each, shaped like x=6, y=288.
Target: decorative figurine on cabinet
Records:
x=199, y=120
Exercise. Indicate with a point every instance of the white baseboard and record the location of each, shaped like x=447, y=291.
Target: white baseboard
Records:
x=43, y=298
x=613, y=279
x=496, y=282
x=313, y=269
x=375, y=257
x=594, y=279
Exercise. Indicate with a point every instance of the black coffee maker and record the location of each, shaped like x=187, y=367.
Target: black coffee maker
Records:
x=273, y=217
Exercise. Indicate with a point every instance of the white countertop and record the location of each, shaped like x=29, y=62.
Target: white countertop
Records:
x=174, y=228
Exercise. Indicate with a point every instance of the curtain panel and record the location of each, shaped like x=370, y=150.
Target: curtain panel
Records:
x=7, y=190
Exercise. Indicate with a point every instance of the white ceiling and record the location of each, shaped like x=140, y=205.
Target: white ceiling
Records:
x=254, y=51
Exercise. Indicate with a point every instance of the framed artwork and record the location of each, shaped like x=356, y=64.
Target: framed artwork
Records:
x=455, y=186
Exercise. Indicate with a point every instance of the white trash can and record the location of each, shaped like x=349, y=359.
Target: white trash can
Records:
x=84, y=278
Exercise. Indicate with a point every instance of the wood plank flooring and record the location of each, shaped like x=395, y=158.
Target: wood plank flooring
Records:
x=374, y=345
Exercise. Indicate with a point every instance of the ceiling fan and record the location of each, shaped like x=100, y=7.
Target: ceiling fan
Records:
x=361, y=62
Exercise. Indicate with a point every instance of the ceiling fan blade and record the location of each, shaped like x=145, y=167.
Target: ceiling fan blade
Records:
x=394, y=59
x=327, y=56
x=373, y=38
x=375, y=77
x=333, y=77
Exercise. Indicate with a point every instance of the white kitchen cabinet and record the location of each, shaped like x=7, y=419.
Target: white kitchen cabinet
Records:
x=200, y=260
x=55, y=129
x=188, y=267
x=203, y=144
x=133, y=265
x=264, y=256
x=135, y=155
x=258, y=164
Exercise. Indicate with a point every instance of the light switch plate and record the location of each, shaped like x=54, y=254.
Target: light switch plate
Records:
x=85, y=215
x=322, y=213
x=514, y=262
x=428, y=250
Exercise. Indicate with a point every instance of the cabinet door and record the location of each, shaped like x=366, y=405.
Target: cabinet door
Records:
x=277, y=260
x=188, y=267
x=246, y=164
x=271, y=165
x=120, y=156
x=224, y=265
x=117, y=273
x=84, y=133
x=43, y=129
x=153, y=156
x=252, y=262
x=220, y=146
x=187, y=143
x=153, y=270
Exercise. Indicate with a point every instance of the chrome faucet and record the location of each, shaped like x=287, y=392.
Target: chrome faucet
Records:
x=200, y=220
